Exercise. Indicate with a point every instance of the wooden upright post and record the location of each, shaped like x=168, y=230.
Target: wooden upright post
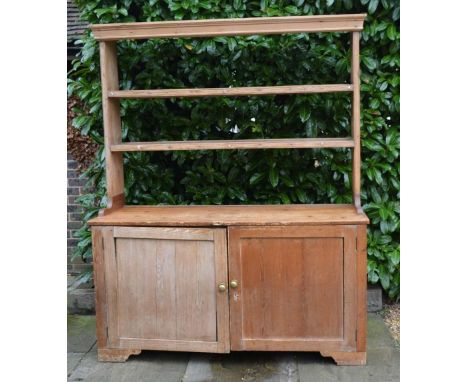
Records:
x=112, y=126
x=356, y=120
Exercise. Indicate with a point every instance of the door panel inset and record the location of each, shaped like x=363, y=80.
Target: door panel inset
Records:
x=291, y=287
x=165, y=289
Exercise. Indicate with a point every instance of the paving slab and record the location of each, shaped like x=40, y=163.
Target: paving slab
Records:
x=199, y=369
x=242, y=366
x=383, y=362
x=81, y=332
x=146, y=367
x=73, y=359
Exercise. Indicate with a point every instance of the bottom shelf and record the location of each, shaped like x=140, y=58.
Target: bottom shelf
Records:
x=231, y=215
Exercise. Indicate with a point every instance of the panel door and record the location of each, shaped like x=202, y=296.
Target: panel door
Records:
x=162, y=288
x=293, y=288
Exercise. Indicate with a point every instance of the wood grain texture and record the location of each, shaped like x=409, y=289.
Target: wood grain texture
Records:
x=171, y=345
x=295, y=344
x=281, y=299
x=162, y=290
x=164, y=233
x=112, y=124
x=196, y=291
x=136, y=290
x=114, y=203
x=356, y=120
x=110, y=268
x=202, y=216
x=100, y=287
x=235, y=91
x=292, y=292
x=346, y=358
x=166, y=295
x=246, y=144
x=361, y=275
x=222, y=299
x=350, y=288
x=229, y=27
x=116, y=355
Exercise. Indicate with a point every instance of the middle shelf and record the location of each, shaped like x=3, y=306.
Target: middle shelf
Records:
x=234, y=91
x=282, y=143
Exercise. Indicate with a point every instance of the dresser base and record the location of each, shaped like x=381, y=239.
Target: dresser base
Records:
x=346, y=358
x=116, y=355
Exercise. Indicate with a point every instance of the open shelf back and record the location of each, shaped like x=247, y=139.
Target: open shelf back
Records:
x=108, y=34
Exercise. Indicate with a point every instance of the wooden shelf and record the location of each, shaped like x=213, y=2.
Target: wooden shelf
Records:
x=229, y=27
x=204, y=216
x=238, y=91
x=289, y=143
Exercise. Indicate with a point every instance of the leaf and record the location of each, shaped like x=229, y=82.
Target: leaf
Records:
x=391, y=32
x=211, y=47
x=232, y=43
x=291, y=9
x=373, y=6
x=311, y=129
x=369, y=62
x=273, y=176
x=301, y=195
x=378, y=176
x=384, y=226
x=101, y=11
x=256, y=178
x=304, y=113
x=284, y=198
x=374, y=104
x=239, y=194
x=384, y=278
x=383, y=213
x=396, y=13
x=237, y=4
x=375, y=195
x=287, y=180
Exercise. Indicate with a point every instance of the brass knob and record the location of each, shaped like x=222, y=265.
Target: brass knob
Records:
x=222, y=287
x=234, y=284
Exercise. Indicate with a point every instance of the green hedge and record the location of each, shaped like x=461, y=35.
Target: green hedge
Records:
x=251, y=176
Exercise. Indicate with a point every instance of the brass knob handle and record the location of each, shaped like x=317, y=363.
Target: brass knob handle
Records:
x=222, y=287
x=234, y=284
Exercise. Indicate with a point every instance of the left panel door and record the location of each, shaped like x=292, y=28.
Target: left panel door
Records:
x=161, y=289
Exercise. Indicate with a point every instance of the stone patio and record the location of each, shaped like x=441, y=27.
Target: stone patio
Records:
x=383, y=362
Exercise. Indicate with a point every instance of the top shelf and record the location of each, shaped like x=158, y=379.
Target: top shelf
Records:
x=230, y=215
x=229, y=27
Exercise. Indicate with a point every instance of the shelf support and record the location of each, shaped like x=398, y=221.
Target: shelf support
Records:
x=356, y=120
x=112, y=126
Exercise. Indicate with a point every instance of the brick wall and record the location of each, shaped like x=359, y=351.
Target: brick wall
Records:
x=80, y=300
x=74, y=212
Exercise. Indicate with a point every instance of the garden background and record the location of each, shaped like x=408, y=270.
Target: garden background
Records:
x=248, y=176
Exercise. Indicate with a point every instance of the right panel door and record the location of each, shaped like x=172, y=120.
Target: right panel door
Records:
x=293, y=288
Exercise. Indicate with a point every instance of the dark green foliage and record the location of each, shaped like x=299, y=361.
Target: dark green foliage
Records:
x=252, y=176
